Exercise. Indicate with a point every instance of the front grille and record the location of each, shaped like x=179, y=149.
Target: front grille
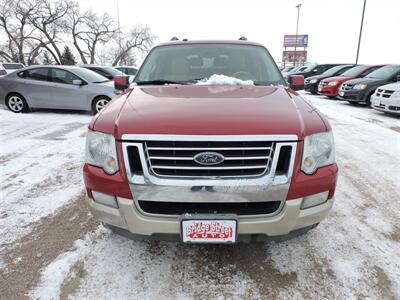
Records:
x=241, y=158
x=346, y=87
x=178, y=208
x=384, y=93
x=395, y=108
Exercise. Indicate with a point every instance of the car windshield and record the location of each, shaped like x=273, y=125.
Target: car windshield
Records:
x=89, y=75
x=333, y=70
x=384, y=72
x=309, y=68
x=193, y=62
x=13, y=66
x=112, y=71
x=354, y=71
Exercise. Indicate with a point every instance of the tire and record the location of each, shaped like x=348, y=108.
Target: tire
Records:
x=98, y=103
x=17, y=103
x=332, y=97
x=354, y=103
x=368, y=101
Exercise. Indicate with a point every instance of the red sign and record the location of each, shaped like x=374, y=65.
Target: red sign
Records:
x=298, y=56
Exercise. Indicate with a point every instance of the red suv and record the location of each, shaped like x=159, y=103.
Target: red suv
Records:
x=330, y=86
x=210, y=145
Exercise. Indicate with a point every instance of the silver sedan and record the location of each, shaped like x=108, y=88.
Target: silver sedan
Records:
x=55, y=87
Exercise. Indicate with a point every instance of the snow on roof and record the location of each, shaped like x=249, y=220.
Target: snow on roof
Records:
x=219, y=79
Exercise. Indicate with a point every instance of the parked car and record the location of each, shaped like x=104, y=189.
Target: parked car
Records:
x=387, y=98
x=55, y=87
x=312, y=82
x=128, y=70
x=293, y=70
x=330, y=86
x=287, y=69
x=9, y=67
x=360, y=90
x=214, y=160
x=107, y=72
x=313, y=69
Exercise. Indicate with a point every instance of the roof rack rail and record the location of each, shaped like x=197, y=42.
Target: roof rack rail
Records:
x=242, y=38
x=174, y=39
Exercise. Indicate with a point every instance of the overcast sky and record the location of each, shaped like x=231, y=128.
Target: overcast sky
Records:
x=332, y=25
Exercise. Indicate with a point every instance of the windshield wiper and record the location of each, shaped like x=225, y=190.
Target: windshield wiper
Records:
x=159, y=82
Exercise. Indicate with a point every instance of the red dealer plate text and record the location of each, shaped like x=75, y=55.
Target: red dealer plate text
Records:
x=209, y=231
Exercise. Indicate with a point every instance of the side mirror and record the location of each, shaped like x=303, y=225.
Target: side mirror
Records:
x=77, y=82
x=121, y=83
x=296, y=82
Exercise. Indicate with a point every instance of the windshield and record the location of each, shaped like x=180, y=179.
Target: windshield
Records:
x=309, y=68
x=89, y=75
x=354, y=71
x=13, y=66
x=193, y=62
x=333, y=71
x=112, y=71
x=384, y=72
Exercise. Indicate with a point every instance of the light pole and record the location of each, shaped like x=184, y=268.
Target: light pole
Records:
x=361, y=28
x=297, y=32
x=119, y=26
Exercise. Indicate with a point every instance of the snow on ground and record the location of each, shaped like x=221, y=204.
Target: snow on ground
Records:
x=41, y=156
x=354, y=253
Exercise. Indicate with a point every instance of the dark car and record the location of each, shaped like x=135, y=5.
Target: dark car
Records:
x=314, y=69
x=311, y=83
x=360, y=90
x=128, y=70
x=107, y=72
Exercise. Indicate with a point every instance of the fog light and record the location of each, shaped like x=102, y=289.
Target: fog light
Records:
x=105, y=199
x=314, y=200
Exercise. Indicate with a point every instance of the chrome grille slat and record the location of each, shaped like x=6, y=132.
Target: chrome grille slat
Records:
x=209, y=168
x=241, y=158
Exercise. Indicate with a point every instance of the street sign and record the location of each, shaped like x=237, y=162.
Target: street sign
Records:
x=297, y=56
x=290, y=40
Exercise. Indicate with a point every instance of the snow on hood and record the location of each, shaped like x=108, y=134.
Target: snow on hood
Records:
x=220, y=79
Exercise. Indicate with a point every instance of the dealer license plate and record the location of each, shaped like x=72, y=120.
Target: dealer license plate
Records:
x=319, y=89
x=341, y=94
x=377, y=102
x=209, y=231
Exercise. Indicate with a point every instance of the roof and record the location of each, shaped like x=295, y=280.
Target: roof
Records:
x=237, y=42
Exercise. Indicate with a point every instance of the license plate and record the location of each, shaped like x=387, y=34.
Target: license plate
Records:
x=319, y=89
x=209, y=231
x=377, y=102
x=341, y=94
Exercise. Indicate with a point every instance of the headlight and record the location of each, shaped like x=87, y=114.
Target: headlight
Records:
x=313, y=80
x=101, y=151
x=332, y=83
x=318, y=151
x=360, y=87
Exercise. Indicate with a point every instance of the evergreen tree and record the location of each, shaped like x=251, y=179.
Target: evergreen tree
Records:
x=47, y=59
x=67, y=57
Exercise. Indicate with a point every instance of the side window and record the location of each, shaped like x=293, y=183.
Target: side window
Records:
x=131, y=71
x=101, y=72
x=343, y=70
x=62, y=76
x=38, y=74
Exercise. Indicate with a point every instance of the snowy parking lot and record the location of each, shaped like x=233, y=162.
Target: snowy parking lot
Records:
x=51, y=247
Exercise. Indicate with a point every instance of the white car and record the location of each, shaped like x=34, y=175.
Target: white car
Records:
x=9, y=67
x=387, y=98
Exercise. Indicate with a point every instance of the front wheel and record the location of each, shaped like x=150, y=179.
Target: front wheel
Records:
x=99, y=103
x=16, y=103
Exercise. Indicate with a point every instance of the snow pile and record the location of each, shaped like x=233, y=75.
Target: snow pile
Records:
x=219, y=79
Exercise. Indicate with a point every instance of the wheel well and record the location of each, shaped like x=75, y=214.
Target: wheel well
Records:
x=99, y=96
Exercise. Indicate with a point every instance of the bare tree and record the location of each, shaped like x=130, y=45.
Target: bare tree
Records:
x=90, y=31
x=49, y=19
x=14, y=20
x=139, y=39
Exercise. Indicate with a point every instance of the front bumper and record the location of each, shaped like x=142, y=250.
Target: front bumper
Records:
x=389, y=105
x=290, y=218
x=330, y=91
x=311, y=87
x=353, y=95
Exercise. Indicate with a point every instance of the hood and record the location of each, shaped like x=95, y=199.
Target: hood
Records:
x=338, y=78
x=391, y=86
x=211, y=110
x=367, y=80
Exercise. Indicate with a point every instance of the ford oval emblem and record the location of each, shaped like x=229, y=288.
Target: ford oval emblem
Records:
x=209, y=158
